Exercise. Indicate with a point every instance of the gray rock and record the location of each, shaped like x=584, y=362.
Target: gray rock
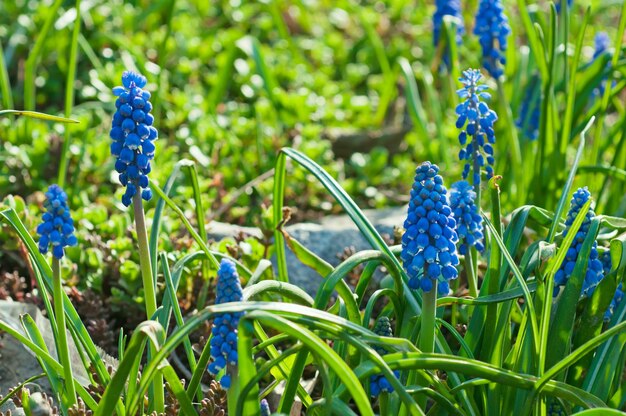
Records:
x=18, y=363
x=327, y=239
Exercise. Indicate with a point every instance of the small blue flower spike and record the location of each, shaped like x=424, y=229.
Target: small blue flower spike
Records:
x=469, y=223
x=602, y=43
x=595, y=272
x=378, y=382
x=428, y=244
x=265, y=408
x=558, y=5
x=224, y=332
x=555, y=408
x=447, y=8
x=492, y=28
x=475, y=120
x=529, y=115
x=605, y=258
x=57, y=228
x=133, y=136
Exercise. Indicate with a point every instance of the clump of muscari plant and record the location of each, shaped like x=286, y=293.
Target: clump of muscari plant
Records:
x=428, y=244
x=492, y=28
x=378, y=382
x=469, y=223
x=57, y=227
x=224, y=332
x=529, y=110
x=133, y=136
x=475, y=120
x=595, y=271
x=447, y=8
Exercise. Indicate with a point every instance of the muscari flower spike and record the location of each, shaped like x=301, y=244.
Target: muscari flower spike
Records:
x=478, y=135
x=378, y=382
x=602, y=42
x=595, y=272
x=224, y=331
x=529, y=115
x=428, y=243
x=607, y=265
x=492, y=28
x=469, y=223
x=133, y=136
x=555, y=408
x=558, y=5
x=57, y=228
x=447, y=8
x=265, y=408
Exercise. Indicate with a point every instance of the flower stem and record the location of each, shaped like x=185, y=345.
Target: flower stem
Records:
x=149, y=289
x=233, y=392
x=429, y=312
x=470, y=270
x=63, y=350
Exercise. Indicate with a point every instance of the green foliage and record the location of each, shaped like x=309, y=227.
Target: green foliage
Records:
x=325, y=107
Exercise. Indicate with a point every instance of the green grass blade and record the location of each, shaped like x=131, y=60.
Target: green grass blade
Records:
x=55, y=379
x=415, y=103
x=183, y=218
x=561, y=330
x=37, y=115
x=555, y=265
x=288, y=290
x=577, y=354
x=170, y=292
x=158, y=214
x=520, y=279
x=571, y=94
x=146, y=331
x=5, y=84
x=69, y=97
x=322, y=349
x=200, y=215
x=568, y=185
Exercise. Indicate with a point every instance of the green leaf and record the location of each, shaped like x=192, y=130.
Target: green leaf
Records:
x=561, y=329
x=36, y=115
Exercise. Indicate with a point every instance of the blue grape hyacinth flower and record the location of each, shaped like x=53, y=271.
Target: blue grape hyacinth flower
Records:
x=428, y=244
x=529, y=110
x=492, y=28
x=57, y=228
x=447, y=8
x=475, y=120
x=617, y=299
x=133, y=136
x=265, y=408
x=557, y=5
x=224, y=332
x=378, y=382
x=602, y=43
x=595, y=272
x=469, y=223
